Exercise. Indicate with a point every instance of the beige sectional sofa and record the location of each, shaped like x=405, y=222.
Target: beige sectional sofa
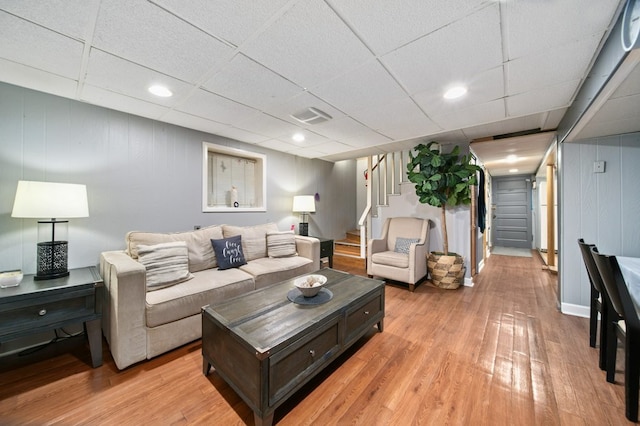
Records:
x=140, y=323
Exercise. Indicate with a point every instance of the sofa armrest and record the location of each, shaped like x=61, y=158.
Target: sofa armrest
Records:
x=309, y=247
x=123, y=312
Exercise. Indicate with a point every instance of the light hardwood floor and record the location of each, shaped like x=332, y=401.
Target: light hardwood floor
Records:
x=498, y=353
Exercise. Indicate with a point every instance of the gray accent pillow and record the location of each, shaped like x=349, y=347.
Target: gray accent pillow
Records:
x=402, y=244
x=281, y=244
x=229, y=252
x=166, y=264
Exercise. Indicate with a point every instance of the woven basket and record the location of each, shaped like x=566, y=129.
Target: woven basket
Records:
x=446, y=271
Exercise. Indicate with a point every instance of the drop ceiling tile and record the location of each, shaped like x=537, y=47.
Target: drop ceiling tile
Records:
x=233, y=21
x=302, y=45
x=398, y=120
x=213, y=107
x=148, y=35
x=366, y=85
x=543, y=99
x=25, y=76
x=483, y=87
x=37, y=47
x=476, y=115
x=69, y=17
x=248, y=82
x=277, y=145
x=418, y=17
x=438, y=59
x=118, y=75
x=522, y=16
x=120, y=102
x=191, y=121
x=350, y=132
x=241, y=135
x=269, y=126
x=563, y=63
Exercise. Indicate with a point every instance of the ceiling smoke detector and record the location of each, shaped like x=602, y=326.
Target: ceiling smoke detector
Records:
x=311, y=116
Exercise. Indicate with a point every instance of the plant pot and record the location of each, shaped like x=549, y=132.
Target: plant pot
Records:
x=446, y=271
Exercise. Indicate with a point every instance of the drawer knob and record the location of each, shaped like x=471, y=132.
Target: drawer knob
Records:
x=42, y=312
x=366, y=312
x=312, y=352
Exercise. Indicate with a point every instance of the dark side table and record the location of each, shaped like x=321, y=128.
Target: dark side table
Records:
x=326, y=249
x=38, y=306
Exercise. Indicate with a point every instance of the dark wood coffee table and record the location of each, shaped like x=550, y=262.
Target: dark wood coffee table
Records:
x=267, y=347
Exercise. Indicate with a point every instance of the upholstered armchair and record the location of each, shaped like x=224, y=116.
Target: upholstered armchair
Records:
x=400, y=254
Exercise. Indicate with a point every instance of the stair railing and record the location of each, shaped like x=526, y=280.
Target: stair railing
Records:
x=384, y=182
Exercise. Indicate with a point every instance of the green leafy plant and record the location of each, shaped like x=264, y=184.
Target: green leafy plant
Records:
x=441, y=179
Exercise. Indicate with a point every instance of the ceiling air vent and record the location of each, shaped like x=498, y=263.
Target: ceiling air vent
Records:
x=311, y=116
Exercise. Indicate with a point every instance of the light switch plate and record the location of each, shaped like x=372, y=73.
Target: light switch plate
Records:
x=598, y=166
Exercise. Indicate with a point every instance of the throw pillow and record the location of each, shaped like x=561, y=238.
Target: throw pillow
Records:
x=166, y=264
x=281, y=244
x=229, y=252
x=403, y=244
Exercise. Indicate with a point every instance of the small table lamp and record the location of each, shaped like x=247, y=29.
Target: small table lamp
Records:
x=51, y=200
x=304, y=204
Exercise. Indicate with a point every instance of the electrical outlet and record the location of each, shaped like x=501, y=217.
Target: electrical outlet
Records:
x=598, y=166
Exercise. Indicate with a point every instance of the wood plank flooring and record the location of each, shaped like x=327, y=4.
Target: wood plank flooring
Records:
x=496, y=353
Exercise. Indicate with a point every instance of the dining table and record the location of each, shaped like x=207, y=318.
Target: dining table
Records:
x=630, y=268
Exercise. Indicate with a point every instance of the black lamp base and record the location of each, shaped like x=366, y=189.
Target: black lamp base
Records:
x=303, y=229
x=52, y=260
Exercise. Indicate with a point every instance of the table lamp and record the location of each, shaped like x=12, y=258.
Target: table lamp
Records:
x=51, y=200
x=304, y=204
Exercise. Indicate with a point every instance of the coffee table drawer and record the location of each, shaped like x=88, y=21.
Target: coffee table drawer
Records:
x=364, y=316
x=289, y=367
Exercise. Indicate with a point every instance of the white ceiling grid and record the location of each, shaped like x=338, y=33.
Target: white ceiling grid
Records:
x=379, y=68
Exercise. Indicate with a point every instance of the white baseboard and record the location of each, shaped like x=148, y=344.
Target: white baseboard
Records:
x=575, y=310
x=468, y=282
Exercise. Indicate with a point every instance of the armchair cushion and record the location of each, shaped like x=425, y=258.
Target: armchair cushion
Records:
x=391, y=258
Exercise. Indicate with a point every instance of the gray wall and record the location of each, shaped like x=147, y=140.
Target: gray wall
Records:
x=140, y=175
x=602, y=208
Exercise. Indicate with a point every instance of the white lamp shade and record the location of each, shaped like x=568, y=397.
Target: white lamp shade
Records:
x=50, y=200
x=304, y=204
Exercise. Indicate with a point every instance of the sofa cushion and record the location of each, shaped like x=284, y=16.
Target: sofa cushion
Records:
x=166, y=264
x=391, y=258
x=281, y=244
x=267, y=270
x=187, y=298
x=229, y=252
x=201, y=254
x=254, y=238
x=403, y=244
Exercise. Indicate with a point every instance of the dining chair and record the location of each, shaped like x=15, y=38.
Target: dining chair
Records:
x=598, y=303
x=627, y=329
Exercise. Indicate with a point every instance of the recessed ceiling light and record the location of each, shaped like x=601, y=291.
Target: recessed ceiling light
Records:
x=161, y=91
x=512, y=158
x=455, y=92
x=513, y=170
x=298, y=137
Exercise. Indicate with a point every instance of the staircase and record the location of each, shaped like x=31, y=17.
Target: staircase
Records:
x=350, y=246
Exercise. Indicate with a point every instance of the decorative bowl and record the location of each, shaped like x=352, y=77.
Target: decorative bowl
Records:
x=10, y=278
x=310, y=285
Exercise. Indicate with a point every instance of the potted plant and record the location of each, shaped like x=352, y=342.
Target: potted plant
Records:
x=442, y=180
